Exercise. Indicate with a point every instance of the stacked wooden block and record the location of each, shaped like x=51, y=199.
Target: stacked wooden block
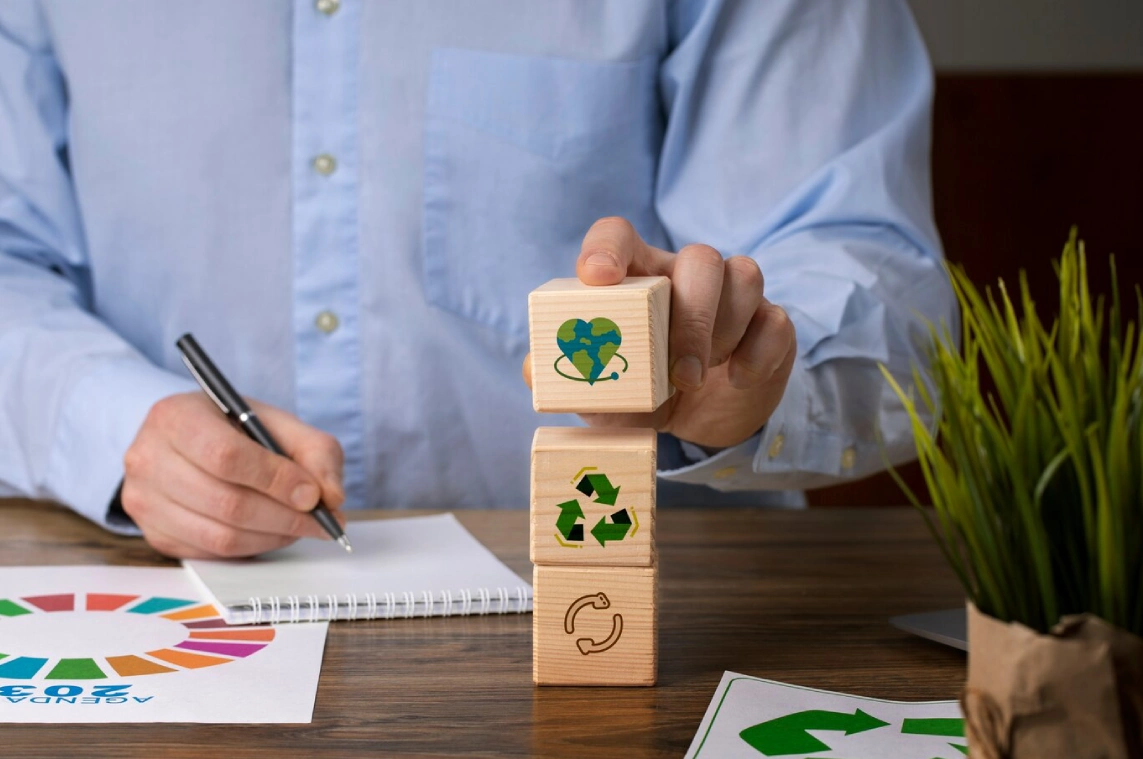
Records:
x=596, y=350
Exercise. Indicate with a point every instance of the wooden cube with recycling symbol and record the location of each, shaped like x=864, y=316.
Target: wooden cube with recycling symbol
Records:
x=593, y=496
x=594, y=626
x=600, y=349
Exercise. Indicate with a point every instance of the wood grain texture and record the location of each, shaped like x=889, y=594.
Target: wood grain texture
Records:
x=797, y=596
x=640, y=307
x=594, y=626
x=628, y=458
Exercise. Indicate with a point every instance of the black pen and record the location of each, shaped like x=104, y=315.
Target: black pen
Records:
x=215, y=385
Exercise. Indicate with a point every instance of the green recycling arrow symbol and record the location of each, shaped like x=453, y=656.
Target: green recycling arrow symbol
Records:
x=617, y=530
x=951, y=728
x=787, y=735
x=593, y=484
x=570, y=513
x=946, y=728
x=568, y=522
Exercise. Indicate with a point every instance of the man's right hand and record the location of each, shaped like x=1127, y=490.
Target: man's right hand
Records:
x=199, y=488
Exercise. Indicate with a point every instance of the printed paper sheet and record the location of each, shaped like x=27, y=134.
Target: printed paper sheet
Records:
x=128, y=644
x=751, y=718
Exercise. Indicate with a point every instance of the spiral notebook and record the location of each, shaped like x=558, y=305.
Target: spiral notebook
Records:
x=410, y=567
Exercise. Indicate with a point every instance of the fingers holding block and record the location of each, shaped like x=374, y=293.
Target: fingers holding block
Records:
x=593, y=496
x=600, y=349
x=594, y=626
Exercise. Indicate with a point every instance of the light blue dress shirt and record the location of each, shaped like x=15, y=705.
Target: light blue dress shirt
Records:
x=348, y=202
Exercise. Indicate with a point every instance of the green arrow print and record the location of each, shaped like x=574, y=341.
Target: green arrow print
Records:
x=946, y=728
x=949, y=728
x=570, y=513
x=602, y=486
x=787, y=735
x=604, y=532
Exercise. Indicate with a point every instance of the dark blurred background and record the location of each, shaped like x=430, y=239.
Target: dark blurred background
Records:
x=1037, y=125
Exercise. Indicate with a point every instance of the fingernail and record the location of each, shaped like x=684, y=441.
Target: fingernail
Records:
x=687, y=373
x=602, y=259
x=304, y=497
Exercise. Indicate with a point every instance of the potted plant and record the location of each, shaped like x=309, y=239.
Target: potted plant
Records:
x=1035, y=473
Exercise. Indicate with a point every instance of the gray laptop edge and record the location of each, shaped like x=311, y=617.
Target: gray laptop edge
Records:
x=949, y=626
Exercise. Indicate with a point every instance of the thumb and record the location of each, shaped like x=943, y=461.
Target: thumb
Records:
x=608, y=249
x=526, y=370
x=318, y=452
x=612, y=250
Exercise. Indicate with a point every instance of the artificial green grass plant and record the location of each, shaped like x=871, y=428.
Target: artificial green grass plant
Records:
x=1036, y=485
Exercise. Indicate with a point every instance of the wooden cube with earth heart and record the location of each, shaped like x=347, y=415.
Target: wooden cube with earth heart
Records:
x=600, y=349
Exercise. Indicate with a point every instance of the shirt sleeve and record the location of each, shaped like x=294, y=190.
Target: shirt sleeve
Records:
x=798, y=134
x=72, y=392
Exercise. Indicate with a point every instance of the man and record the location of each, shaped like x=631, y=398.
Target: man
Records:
x=347, y=203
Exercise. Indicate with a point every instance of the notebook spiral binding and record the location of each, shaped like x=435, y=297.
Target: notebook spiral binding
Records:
x=380, y=606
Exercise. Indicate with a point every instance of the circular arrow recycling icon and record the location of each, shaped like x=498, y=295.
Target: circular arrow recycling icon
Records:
x=587, y=645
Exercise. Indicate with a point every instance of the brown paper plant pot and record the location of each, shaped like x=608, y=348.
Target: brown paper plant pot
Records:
x=1075, y=693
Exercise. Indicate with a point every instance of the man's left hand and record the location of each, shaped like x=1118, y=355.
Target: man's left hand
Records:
x=730, y=350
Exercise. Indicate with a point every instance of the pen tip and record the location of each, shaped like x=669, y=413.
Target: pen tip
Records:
x=344, y=543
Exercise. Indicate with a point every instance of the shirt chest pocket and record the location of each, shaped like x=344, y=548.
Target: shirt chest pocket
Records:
x=522, y=154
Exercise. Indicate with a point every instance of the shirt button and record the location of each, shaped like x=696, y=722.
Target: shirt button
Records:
x=776, y=444
x=328, y=7
x=725, y=473
x=326, y=321
x=325, y=164
x=848, y=458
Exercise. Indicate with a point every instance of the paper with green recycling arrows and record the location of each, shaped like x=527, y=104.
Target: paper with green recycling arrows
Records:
x=752, y=718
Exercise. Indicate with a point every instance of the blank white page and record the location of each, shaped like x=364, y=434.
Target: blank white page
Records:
x=417, y=555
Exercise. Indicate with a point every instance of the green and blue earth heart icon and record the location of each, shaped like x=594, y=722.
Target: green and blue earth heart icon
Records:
x=589, y=346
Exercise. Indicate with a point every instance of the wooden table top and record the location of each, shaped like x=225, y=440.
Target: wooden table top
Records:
x=797, y=596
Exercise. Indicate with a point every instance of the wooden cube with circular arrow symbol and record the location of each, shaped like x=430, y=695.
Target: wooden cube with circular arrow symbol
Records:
x=600, y=349
x=593, y=496
x=594, y=626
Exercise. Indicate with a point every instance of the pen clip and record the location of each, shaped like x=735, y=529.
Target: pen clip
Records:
x=205, y=387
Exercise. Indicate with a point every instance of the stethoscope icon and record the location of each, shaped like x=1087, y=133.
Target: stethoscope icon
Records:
x=587, y=645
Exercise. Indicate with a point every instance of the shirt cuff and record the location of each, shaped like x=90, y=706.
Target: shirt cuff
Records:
x=769, y=460
x=96, y=426
x=720, y=471
x=802, y=445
